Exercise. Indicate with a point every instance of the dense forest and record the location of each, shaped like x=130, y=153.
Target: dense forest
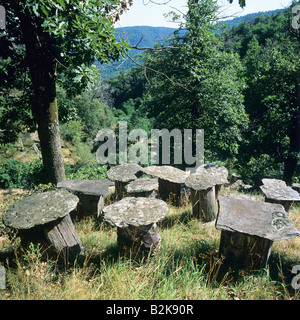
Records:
x=240, y=85
x=147, y=37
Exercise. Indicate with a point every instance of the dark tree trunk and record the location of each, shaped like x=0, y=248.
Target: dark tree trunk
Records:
x=290, y=164
x=42, y=67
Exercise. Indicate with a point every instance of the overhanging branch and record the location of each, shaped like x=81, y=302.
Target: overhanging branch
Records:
x=158, y=72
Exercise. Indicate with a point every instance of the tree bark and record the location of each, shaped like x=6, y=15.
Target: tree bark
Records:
x=204, y=204
x=290, y=164
x=242, y=251
x=42, y=67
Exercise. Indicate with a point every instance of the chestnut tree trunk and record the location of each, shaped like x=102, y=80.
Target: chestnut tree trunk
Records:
x=42, y=66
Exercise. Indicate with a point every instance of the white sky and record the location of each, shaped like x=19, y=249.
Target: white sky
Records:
x=145, y=13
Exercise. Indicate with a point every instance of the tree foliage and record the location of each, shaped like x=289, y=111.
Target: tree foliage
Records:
x=57, y=40
x=242, y=3
x=272, y=73
x=198, y=85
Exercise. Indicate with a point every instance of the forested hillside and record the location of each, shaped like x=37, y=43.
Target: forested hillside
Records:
x=230, y=23
x=140, y=36
x=246, y=99
x=240, y=86
x=146, y=37
x=198, y=236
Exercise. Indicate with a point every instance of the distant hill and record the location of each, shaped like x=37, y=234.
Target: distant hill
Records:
x=248, y=17
x=146, y=36
x=141, y=36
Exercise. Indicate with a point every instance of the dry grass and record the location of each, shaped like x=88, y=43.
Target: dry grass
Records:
x=187, y=266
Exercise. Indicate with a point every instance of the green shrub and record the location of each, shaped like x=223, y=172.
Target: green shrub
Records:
x=83, y=151
x=263, y=165
x=72, y=131
x=17, y=174
x=89, y=171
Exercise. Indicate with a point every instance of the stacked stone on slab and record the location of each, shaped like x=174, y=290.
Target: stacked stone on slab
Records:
x=144, y=187
x=205, y=185
x=44, y=218
x=136, y=221
x=122, y=174
x=90, y=193
x=170, y=180
x=248, y=230
x=276, y=191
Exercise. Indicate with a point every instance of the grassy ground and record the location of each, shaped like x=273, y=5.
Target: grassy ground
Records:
x=186, y=267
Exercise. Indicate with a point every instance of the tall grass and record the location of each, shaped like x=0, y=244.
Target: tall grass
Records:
x=187, y=267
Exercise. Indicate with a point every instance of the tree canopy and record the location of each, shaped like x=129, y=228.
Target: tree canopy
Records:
x=49, y=41
x=198, y=85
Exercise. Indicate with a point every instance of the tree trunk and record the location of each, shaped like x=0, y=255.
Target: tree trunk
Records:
x=169, y=191
x=204, y=204
x=290, y=164
x=242, y=251
x=42, y=67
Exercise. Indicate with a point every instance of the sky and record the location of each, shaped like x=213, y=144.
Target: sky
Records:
x=147, y=13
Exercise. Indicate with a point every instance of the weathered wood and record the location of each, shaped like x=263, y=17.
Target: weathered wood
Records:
x=169, y=191
x=63, y=238
x=138, y=242
x=120, y=191
x=44, y=218
x=205, y=185
x=204, y=204
x=122, y=174
x=170, y=180
x=242, y=251
x=249, y=227
x=218, y=188
x=144, y=187
x=89, y=192
x=135, y=219
x=89, y=205
x=203, y=197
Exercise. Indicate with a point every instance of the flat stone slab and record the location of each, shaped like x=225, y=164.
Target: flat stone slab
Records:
x=142, y=185
x=214, y=173
x=40, y=209
x=125, y=172
x=273, y=182
x=88, y=187
x=137, y=212
x=274, y=189
x=167, y=173
x=240, y=186
x=199, y=182
x=255, y=218
x=296, y=187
